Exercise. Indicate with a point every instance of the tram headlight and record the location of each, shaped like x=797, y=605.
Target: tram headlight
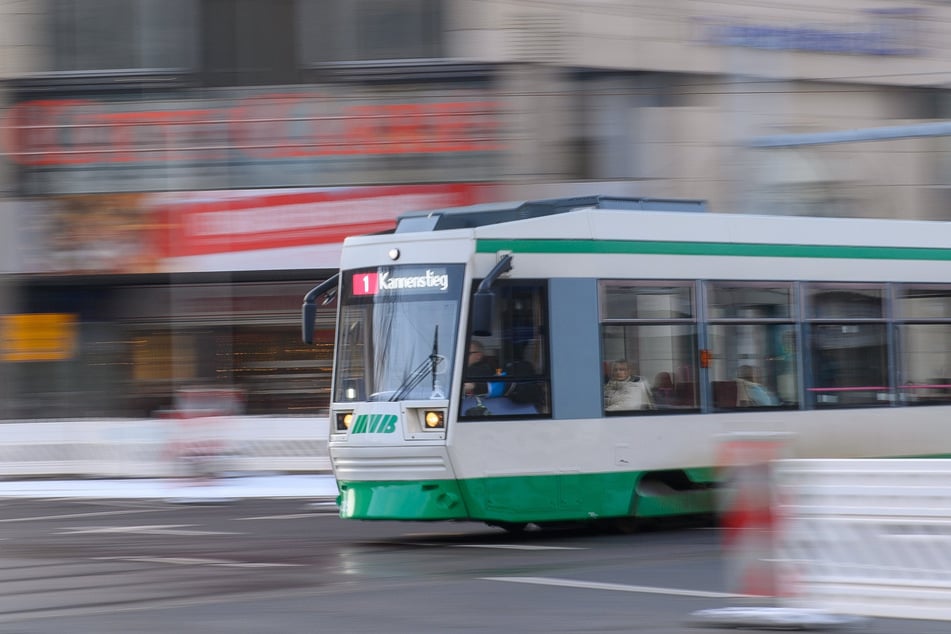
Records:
x=343, y=420
x=434, y=419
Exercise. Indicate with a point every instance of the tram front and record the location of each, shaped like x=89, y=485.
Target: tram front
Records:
x=397, y=339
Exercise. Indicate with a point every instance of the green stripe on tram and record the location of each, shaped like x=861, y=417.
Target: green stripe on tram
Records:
x=659, y=247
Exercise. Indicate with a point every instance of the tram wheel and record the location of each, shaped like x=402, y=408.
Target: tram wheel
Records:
x=627, y=525
x=515, y=528
x=619, y=525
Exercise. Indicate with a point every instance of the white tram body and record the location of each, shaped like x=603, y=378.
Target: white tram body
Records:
x=835, y=333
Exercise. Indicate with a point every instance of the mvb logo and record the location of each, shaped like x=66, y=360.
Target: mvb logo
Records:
x=374, y=424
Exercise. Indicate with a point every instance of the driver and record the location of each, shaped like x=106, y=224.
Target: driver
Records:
x=477, y=367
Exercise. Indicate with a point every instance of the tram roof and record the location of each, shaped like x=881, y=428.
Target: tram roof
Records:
x=497, y=213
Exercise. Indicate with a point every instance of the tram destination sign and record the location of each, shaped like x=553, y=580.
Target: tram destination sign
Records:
x=384, y=280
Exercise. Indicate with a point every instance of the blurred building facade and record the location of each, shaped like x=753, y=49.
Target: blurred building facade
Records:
x=175, y=174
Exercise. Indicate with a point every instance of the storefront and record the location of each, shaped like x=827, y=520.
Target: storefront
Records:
x=164, y=243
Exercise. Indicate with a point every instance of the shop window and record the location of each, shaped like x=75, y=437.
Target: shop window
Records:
x=247, y=42
x=366, y=30
x=104, y=35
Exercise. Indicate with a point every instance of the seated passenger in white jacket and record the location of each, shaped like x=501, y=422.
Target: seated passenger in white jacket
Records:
x=624, y=392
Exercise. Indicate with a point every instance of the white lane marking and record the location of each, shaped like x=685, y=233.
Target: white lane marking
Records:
x=289, y=516
x=421, y=535
x=72, y=515
x=155, y=529
x=517, y=547
x=594, y=585
x=196, y=561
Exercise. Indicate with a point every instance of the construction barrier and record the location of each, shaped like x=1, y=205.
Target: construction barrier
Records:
x=746, y=510
x=163, y=447
x=753, y=524
x=865, y=537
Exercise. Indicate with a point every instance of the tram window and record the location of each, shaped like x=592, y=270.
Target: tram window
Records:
x=648, y=346
x=753, y=345
x=849, y=364
x=753, y=365
x=925, y=371
x=734, y=301
x=933, y=303
x=848, y=345
x=661, y=367
x=925, y=363
x=845, y=302
x=627, y=301
x=516, y=353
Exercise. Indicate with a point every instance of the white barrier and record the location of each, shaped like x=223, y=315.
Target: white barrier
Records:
x=865, y=537
x=146, y=448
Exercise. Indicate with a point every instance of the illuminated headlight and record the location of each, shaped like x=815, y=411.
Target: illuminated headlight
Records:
x=434, y=419
x=343, y=420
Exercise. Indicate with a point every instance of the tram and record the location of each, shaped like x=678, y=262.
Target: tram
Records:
x=582, y=359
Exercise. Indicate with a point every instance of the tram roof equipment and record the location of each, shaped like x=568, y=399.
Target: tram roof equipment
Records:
x=496, y=213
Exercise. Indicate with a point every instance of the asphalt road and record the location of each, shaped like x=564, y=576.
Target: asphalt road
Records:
x=290, y=565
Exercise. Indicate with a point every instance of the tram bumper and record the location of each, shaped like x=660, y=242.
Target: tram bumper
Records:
x=396, y=483
x=413, y=500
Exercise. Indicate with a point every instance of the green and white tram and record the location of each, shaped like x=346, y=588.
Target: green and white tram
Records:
x=834, y=332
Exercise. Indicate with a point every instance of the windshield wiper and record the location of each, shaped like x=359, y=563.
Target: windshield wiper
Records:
x=428, y=366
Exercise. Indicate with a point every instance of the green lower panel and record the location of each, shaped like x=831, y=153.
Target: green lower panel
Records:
x=551, y=498
x=421, y=500
x=519, y=499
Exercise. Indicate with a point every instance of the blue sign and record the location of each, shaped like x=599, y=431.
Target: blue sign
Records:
x=879, y=32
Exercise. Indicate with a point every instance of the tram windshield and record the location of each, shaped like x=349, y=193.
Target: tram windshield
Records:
x=397, y=332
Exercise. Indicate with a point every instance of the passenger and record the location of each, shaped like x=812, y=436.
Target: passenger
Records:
x=752, y=393
x=624, y=392
x=663, y=389
x=477, y=367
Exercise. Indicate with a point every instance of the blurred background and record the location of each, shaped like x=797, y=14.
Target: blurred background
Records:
x=176, y=174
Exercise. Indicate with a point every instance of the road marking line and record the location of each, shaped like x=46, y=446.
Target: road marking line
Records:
x=289, y=516
x=72, y=515
x=594, y=585
x=517, y=547
x=156, y=529
x=196, y=561
x=431, y=534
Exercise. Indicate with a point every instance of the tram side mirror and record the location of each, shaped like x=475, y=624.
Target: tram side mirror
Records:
x=326, y=289
x=483, y=304
x=308, y=321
